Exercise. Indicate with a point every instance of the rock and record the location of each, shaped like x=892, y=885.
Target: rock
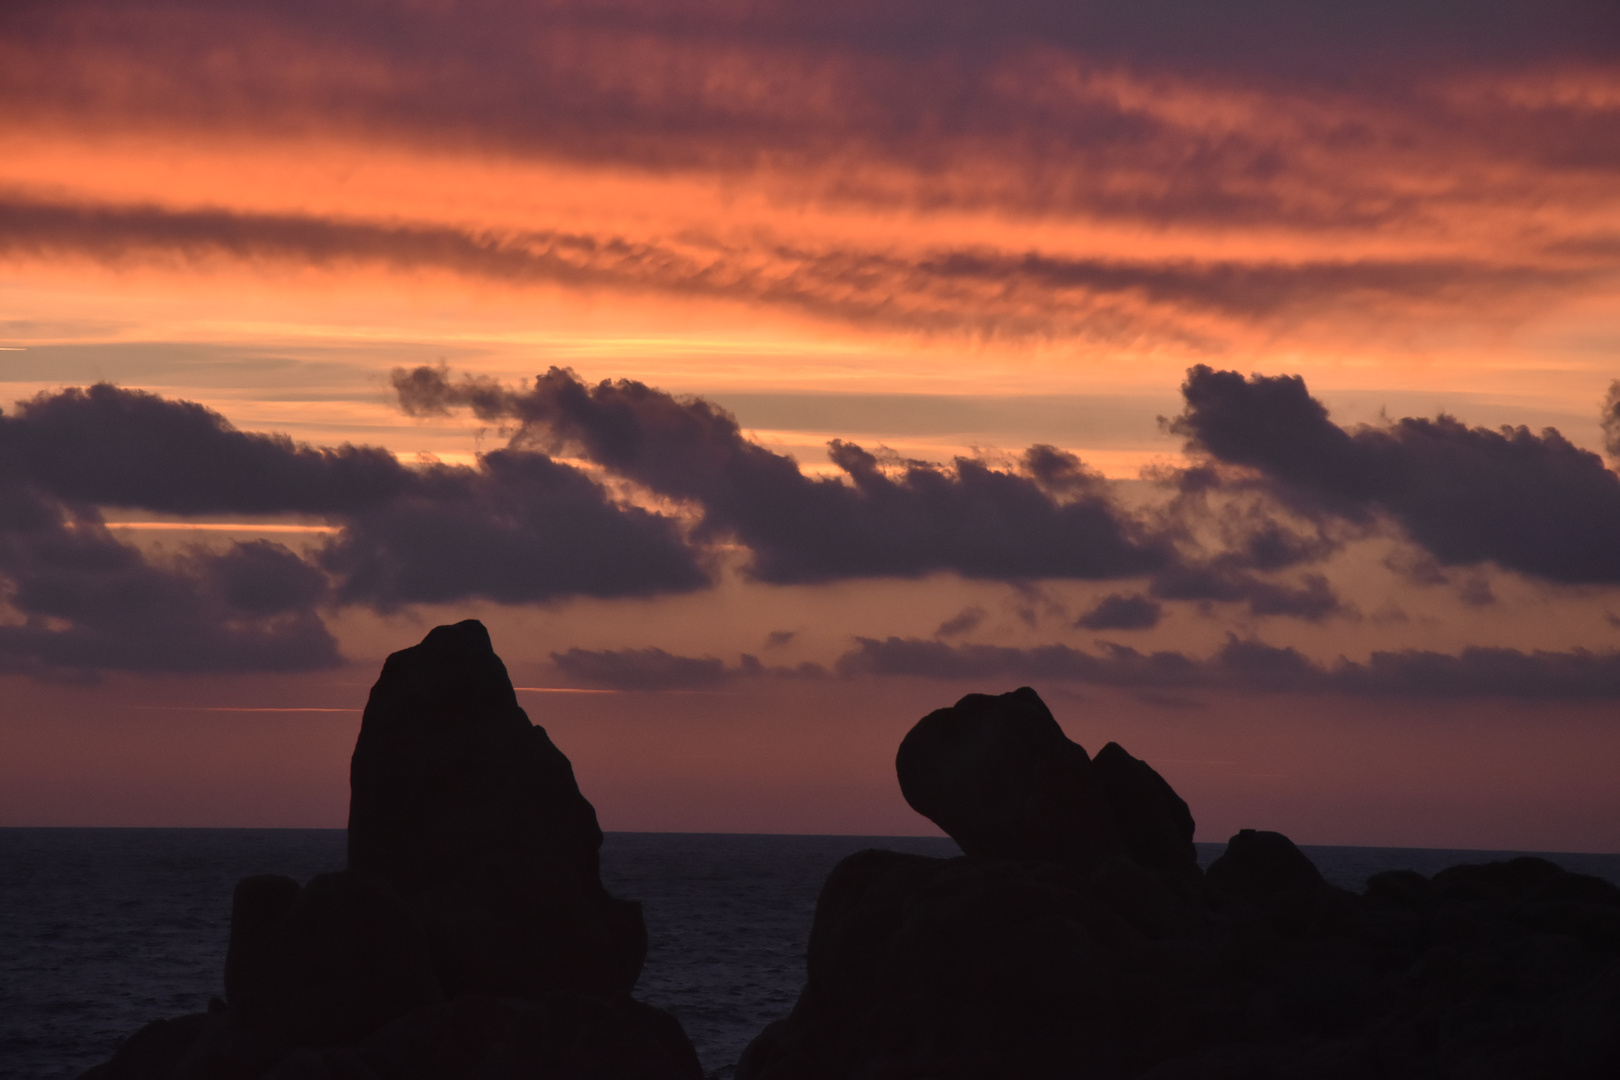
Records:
x=154, y=1050
x=961, y=967
x=204, y=1046
x=474, y=817
x=1076, y=938
x=469, y=939
x=1263, y=866
x=1001, y=778
x=1023, y=958
x=560, y=1035
x=1153, y=821
x=345, y=957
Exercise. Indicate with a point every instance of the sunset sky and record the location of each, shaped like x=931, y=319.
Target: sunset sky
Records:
x=764, y=375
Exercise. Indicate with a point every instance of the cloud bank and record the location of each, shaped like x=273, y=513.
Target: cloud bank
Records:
x=1052, y=518
x=1254, y=666
x=80, y=601
x=1534, y=503
x=1240, y=665
x=671, y=489
x=518, y=528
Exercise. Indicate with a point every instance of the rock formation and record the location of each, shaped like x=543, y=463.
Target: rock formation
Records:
x=1076, y=938
x=474, y=818
x=470, y=935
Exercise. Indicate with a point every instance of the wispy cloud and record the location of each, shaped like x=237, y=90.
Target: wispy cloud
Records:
x=982, y=290
x=1269, y=111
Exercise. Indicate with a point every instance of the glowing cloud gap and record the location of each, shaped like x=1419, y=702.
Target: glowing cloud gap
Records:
x=216, y=526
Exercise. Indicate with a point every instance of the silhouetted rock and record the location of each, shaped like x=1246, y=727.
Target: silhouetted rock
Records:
x=471, y=939
x=908, y=977
x=1073, y=941
x=471, y=813
x=1153, y=821
x=344, y=958
x=470, y=936
x=1260, y=866
x=1001, y=778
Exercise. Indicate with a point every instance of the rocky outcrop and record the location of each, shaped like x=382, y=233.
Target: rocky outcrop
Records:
x=1003, y=781
x=470, y=935
x=471, y=814
x=1076, y=937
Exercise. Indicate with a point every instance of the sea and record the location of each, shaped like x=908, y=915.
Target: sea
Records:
x=103, y=930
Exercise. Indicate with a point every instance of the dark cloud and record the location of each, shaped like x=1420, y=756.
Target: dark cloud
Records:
x=1532, y=503
x=963, y=621
x=80, y=601
x=1118, y=612
x=1313, y=600
x=778, y=638
x=655, y=669
x=1116, y=666
x=520, y=528
x=641, y=669
x=1253, y=666
x=981, y=291
x=1485, y=672
x=108, y=446
x=517, y=528
x=1053, y=519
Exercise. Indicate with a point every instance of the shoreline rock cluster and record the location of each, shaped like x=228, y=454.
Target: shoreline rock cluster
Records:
x=1076, y=937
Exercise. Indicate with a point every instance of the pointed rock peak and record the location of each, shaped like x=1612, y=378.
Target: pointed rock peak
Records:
x=473, y=815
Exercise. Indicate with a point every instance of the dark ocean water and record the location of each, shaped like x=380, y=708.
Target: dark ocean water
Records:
x=102, y=930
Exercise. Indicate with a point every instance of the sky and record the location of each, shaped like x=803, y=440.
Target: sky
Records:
x=766, y=375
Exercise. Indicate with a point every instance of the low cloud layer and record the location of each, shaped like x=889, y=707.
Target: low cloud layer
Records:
x=657, y=670
x=1533, y=503
x=1253, y=666
x=1240, y=665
